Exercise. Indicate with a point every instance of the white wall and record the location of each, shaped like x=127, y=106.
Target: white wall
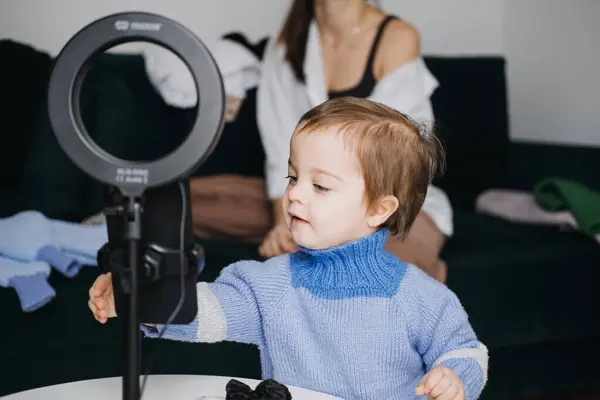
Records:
x=48, y=24
x=454, y=27
x=445, y=26
x=553, y=52
x=552, y=61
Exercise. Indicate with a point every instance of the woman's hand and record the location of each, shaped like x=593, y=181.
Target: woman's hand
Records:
x=277, y=242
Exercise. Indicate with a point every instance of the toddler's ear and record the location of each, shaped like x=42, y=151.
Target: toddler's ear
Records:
x=381, y=210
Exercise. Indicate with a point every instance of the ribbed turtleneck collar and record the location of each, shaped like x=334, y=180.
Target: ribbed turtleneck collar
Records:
x=358, y=268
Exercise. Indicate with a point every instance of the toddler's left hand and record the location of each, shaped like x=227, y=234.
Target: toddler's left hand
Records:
x=441, y=383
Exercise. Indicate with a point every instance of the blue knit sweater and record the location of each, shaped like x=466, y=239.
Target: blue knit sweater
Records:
x=352, y=321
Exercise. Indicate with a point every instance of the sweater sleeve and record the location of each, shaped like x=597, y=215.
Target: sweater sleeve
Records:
x=232, y=308
x=444, y=336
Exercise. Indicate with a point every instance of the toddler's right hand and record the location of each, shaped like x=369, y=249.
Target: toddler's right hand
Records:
x=102, y=299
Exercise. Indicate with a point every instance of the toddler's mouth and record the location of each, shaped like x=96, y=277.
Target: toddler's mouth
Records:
x=297, y=219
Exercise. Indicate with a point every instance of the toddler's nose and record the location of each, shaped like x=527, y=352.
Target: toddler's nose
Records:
x=296, y=192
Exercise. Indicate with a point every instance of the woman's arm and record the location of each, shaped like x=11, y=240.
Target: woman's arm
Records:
x=400, y=44
x=403, y=80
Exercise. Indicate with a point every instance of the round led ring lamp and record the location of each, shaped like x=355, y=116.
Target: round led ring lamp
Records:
x=130, y=177
x=69, y=71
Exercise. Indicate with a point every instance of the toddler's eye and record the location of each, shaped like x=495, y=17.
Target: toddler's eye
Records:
x=291, y=179
x=321, y=188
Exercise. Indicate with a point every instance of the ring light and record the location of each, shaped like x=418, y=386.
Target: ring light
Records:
x=147, y=260
x=65, y=86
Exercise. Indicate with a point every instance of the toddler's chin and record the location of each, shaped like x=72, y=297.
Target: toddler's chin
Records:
x=312, y=243
x=305, y=240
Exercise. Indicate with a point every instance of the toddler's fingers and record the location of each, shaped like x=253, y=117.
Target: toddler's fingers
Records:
x=460, y=393
x=431, y=379
x=96, y=291
x=421, y=390
x=92, y=307
x=97, y=315
x=442, y=386
x=100, y=303
x=102, y=284
x=450, y=394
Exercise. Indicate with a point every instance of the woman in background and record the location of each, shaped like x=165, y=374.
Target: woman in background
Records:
x=333, y=48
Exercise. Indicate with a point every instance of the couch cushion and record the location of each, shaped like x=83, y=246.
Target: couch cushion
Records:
x=524, y=284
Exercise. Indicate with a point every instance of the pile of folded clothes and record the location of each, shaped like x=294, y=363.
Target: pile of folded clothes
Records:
x=32, y=245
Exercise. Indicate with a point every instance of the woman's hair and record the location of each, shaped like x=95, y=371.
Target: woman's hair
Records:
x=294, y=34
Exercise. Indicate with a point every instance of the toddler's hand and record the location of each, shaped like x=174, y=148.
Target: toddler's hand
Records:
x=441, y=383
x=278, y=241
x=102, y=299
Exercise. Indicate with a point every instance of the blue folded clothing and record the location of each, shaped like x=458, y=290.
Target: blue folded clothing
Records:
x=63, y=263
x=78, y=241
x=23, y=235
x=66, y=246
x=29, y=280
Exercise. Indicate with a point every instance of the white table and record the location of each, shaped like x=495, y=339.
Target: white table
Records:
x=158, y=387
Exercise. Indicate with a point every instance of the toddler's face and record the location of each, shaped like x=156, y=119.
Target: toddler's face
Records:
x=323, y=204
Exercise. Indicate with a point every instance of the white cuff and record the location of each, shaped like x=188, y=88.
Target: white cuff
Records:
x=212, y=322
x=479, y=354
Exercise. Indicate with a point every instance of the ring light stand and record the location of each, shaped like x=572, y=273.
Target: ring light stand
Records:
x=146, y=263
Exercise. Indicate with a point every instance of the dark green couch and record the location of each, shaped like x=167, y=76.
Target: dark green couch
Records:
x=530, y=291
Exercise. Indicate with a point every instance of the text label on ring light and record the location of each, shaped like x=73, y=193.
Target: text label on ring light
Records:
x=71, y=65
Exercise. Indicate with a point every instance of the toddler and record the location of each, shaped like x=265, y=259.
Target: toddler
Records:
x=341, y=315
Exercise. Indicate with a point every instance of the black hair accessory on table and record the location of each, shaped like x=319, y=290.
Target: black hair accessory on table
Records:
x=266, y=390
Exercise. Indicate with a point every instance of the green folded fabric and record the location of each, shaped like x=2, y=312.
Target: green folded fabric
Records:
x=556, y=194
